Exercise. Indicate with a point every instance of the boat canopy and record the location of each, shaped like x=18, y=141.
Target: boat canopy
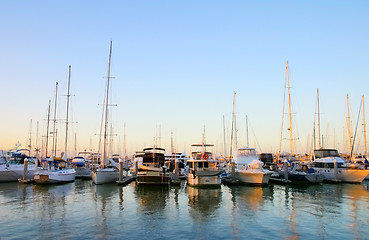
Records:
x=246, y=152
x=323, y=153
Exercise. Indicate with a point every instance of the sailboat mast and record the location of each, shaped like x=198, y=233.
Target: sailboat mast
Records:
x=247, y=132
x=364, y=125
x=54, y=127
x=124, y=144
x=30, y=138
x=284, y=103
x=348, y=122
x=106, y=107
x=47, y=129
x=317, y=94
x=224, y=138
x=234, y=121
x=67, y=117
x=289, y=109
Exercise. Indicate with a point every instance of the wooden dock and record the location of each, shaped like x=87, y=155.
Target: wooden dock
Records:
x=126, y=180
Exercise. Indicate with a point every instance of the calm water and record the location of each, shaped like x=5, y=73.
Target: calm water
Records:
x=82, y=210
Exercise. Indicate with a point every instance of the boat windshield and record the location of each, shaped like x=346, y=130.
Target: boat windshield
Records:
x=323, y=153
x=246, y=152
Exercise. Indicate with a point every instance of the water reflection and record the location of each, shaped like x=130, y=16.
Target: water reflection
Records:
x=82, y=210
x=51, y=209
x=103, y=197
x=152, y=198
x=203, y=202
x=251, y=198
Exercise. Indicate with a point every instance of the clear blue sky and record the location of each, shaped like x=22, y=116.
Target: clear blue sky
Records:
x=176, y=65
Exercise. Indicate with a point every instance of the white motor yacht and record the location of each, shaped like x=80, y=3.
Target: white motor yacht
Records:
x=12, y=166
x=329, y=163
x=203, y=167
x=248, y=167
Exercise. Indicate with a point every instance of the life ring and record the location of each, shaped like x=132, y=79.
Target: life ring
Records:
x=205, y=156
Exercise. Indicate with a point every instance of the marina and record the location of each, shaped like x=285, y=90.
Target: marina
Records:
x=83, y=210
x=143, y=141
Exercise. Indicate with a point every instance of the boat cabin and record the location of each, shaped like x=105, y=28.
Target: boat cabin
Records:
x=153, y=156
x=246, y=152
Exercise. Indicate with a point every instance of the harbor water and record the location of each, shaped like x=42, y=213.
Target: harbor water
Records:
x=82, y=210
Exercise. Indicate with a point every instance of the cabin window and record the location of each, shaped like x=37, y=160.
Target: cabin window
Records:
x=206, y=164
x=200, y=165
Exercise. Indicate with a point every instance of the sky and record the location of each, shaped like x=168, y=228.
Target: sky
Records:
x=176, y=65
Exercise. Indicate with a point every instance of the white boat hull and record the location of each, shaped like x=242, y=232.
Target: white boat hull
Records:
x=105, y=175
x=12, y=173
x=343, y=174
x=54, y=176
x=204, y=180
x=253, y=177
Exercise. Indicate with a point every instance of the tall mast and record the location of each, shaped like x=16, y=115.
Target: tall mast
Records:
x=54, y=120
x=106, y=108
x=289, y=109
x=317, y=94
x=348, y=123
x=234, y=122
x=67, y=117
x=284, y=103
x=30, y=138
x=224, y=138
x=247, y=132
x=364, y=125
x=124, y=143
x=203, y=142
x=47, y=129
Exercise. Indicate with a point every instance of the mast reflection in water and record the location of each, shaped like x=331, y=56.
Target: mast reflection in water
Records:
x=81, y=210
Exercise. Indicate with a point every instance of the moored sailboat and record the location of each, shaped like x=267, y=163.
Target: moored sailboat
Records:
x=106, y=173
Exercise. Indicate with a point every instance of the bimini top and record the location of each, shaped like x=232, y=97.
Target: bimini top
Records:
x=156, y=149
x=202, y=145
x=324, y=153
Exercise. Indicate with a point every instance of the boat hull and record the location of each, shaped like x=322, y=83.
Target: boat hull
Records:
x=105, y=175
x=306, y=177
x=54, y=176
x=12, y=173
x=252, y=177
x=343, y=174
x=152, y=178
x=203, y=180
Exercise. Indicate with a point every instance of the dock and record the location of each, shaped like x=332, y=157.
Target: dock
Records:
x=126, y=180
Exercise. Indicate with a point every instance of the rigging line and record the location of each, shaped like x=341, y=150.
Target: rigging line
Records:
x=256, y=139
x=284, y=103
x=357, y=124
